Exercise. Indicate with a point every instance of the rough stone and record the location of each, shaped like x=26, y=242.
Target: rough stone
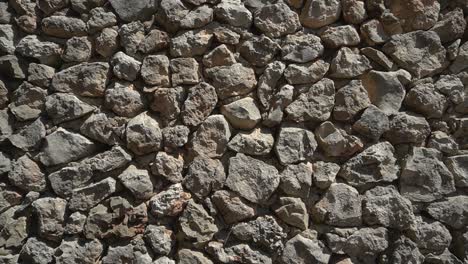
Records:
x=293, y=212
x=184, y=71
x=50, y=217
x=424, y=99
x=125, y=67
x=159, y=238
x=198, y=17
x=219, y=56
x=432, y=236
x=187, y=256
x=77, y=49
x=85, y=198
x=74, y=250
x=349, y=63
x=107, y=42
x=30, y=136
x=301, y=48
x=27, y=175
x=306, y=73
x=137, y=181
x=350, y=100
x=242, y=114
x=143, y=134
x=27, y=102
x=232, y=80
x=176, y=136
x=63, y=107
x=46, y=52
x=168, y=166
x=263, y=231
x=451, y=211
x=168, y=102
x=294, y=144
x=170, y=202
x=276, y=20
x=201, y=101
x=196, y=226
x=211, y=137
x=259, y=50
x=234, y=13
x=204, y=176
x=256, y=142
x=335, y=141
x=191, y=43
x=63, y=26
x=155, y=70
x=36, y=252
x=155, y=40
x=232, y=207
x=374, y=33
x=99, y=19
x=371, y=241
x=131, y=36
x=406, y=127
x=305, y=248
x=458, y=165
x=129, y=11
x=372, y=123
x=319, y=13
x=335, y=37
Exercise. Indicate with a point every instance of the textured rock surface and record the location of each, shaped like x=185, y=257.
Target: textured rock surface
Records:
x=233, y=131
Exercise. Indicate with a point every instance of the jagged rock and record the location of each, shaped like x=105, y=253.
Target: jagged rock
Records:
x=293, y=212
x=378, y=57
x=100, y=19
x=406, y=127
x=191, y=43
x=107, y=129
x=423, y=54
x=200, y=102
x=424, y=99
x=211, y=137
x=431, y=236
x=7, y=39
x=164, y=260
x=6, y=124
x=45, y=51
x=75, y=223
x=4, y=95
x=184, y=71
x=280, y=101
x=268, y=81
x=232, y=80
x=424, y=177
x=73, y=250
x=155, y=40
x=446, y=257
x=253, y=179
x=143, y=134
x=258, y=141
x=242, y=114
x=232, y=207
x=294, y=144
x=83, y=199
x=125, y=67
x=30, y=136
x=137, y=181
x=296, y=179
x=50, y=217
x=168, y=166
x=187, y=256
x=349, y=63
x=123, y=99
x=8, y=198
x=350, y=100
x=204, y=176
x=27, y=102
x=135, y=250
x=335, y=141
x=168, y=101
x=325, y=174
x=234, y=13
x=442, y=142
x=335, y=37
x=77, y=49
x=50, y=6
x=301, y=48
x=131, y=36
x=198, y=17
x=314, y=105
x=340, y=206
x=458, y=165
x=374, y=32
x=219, y=56
x=155, y=70
x=85, y=79
x=170, y=202
x=451, y=211
x=65, y=107
x=258, y=50
x=35, y=251
x=242, y=253
x=176, y=136
x=196, y=226
x=310, y=72
x=452, y=87
x=319, y=13
x=414, y=14
x=263, y=231
x=63, y=26
x=372, y=123
x=5, y=163
x=366, y=243
x=14, y=232
x=276, y=20
x=129, y=11
x=375, y=164
x=40, y=74
x=170, y=13
x=159, y=238
x=27, y=175
x=305, y=248
x=459, y=64
x=402, y=251
x=107, y=42
x=11, y=67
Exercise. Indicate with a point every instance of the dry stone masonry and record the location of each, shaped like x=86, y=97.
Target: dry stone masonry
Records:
x=234, y=131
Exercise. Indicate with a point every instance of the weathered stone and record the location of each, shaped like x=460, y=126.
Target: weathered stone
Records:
x=104, y=128
x=431, y=236
x=445, y=257
x=155, y=40
x=293, y=212
x=211, y=137
x=419, y=52
x=45, y=51
x=301, y=48
x=234, y=13
x=406, y=127
x=259, y=50
x=196, y=226
x=204, y=175
x=310, y=72
x=253, y=179
x=129, y=11
x=335, y=37
x=63, y=26
x=442, y=142
x=40, y=74
x=170, y=13
x=403, y=250
x=242, y=114
x=30, y=136
x=77, y=49
x=374, y=33
x=107, y=42
x=168, y=101
x=366, y=243
x=176, y=136
x=123, y=99
x=232, y=80
x=168, y=166
x=319, y=13
x=131, y=36
x=354, y=11
x=85, y=79
x=75, y=223
x=219, y=56
x=372, y=123
x=241, y=253
x=155, y=70
x=65, y=107
x=276, y=20
x=201, y=101
x=27, y=175
x=349, y=63
x=335, y=141
x=184, y=71
x=324, y=174
x=424, y=99
x=459, y=64
x=7, y=39
x=305, y=248
x=232, y=207
x=296, y=180
x=99, y=19
x=375, y=164
x=137, y=181
x=35, y=251
x=135, y=250
x=6, y=124
x=5, y=163
x=50, y=217
x=415, y=14
x=170, y=202
x=27, y=101
x=85, y=198
x=14, y=232
x=280, y=101
x=143, y=134
x=191, y=43
x=159, y=238
x=11, y=67
x=263, y=231
x=378, y=57
x=458, y=165
x=164, y=260
x=340, y=206
x=452, y=211
x=198, y=17
x=294, y=144
x=350, y=100
x=125, y=67
x=8, y=198
x=258, y=141
x=424, y=177
x=187, y=256
x=50, y=6
x=452, y=87
x=74, y=251
x=315, y=105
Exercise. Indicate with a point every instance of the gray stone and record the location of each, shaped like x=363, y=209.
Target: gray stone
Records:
x=106, y=42
x=85, y=79
x=45, y=51
x=7, y=39
x=264, y=231
x=350, y=100
x=301, y=48
x=201, y=101
x=268, y=81
x=170, y=13
x=164, y=260
x=451, y=26
x=372, y=123
x=403, y=250
x=296, y=179
x=458, y=165
x=50, y=6
x=375, y=164
x=306, y=73
x=280, y=101
x=11, y=67
x=234, y=13
x=253, y=179
x=242, y=253
x=77, y=49
x=176, y=136
x=415, y=16
x=6, y=124
x=258, y=50
x=196, y=226
x=232, y=80
x=431, y=236
x=35, y=251
x=168, y=101
x=27, y=175
x=184, y=71
x=129, y=11
x=204, y=176
x=159, y=238
x=319, y=13
x=211, y=137
x=378, y=57
x=276, y=20
x=424, y=99
x=258, y=141
x=366, y=243
x=168, y=166
x=187, y=256
x=325, y=174
x=74, y=251
x=155, y=40
x=374, y=33
x=30, y=136
x=72, y=147
x=99, y=19
x=314, y=105
x=424, y=177
x=125, y=67
x=340, y=206
x=169, y=202
x=135, y=250
x=460, y=61
x=423, y=54
x=219, y=56
x=85, y=198
x=232, y=207
x=191, y=43
x=451, y=211
x=305, y=248
x=137, y=181
x=27, y=102
x=9, y=199
x=143, y=134
x=442, y=142
x=63, y=107
x=50, y=217
x=5, y=163
x=335, y=37
x=63, y=26
x=446, y=257
x=75, y=223
x=104, y=128
x=14, y=232
x=336, y=142
x=131, y=36
x=242, y=114
x=452, y=87
x=198, y=17
x=3, y=95
x=349, y=63
x=406, y=127
x=293, y=212
x=294, y=144
x=155, y=70
x=124, y=99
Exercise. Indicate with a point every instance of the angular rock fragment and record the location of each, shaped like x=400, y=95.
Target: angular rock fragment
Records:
x=129, y=11
x=319, y=13
x=100, y=19
x=378, y=57
x=187, y=256
x=258, y=141
x=168, y=166
x=7, y=39
x=201, y=101
x=125, y=67
x=424, y=99
x=27, y=175
x=124, y=99
x=259, y=51
x=155, y=70
x=63, y=26
x=137, y=181
x=366, y=243
x=198, y=17
x=335, y=37
x=414, y=15
x=451, y=211
x=374, y=32
x=143, y=134
x=232, y=80
x=170, y=202
x=458, y=165
x=406, y=127
x=264, y=231
x=85, y=198
x=211, y=137
x=131, y=36
x=196, y=226
x=63, y=107
x=75, y=250
x=40, y=74
x=305, y=248
x=293, y=211
x=104, y=128
x=155, y=40
x=27, y=101
x=432, y=236
x=191, y=43
x=30, y=136
x=276, y=20
x=373, y=123
x=232, y=207
x=168, y=101
x=238, y=253
x=349, y=63
x=219, y=56
x=204, y=175
x=50, y=217
x=404, y=250
x=306, y=73
x=452, y=87
x=45, y=51
x=176, y=136
x=301, y=48
x=159, y=238
x=77, y=49
x=335, y=141
x=242, y=114
x=294, y=144
x=11, y=67
x=350, y=100
x=134, y=250
x=460, y=61
x=184, y=71
x=35, y=251
x=14, y=232
x=234, y=13
x=107, y=42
